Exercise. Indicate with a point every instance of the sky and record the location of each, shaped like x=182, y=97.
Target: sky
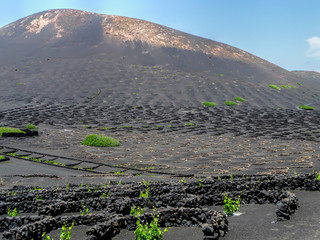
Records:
x=284, y=32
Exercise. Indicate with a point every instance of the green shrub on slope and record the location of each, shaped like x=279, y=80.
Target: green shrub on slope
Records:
x=100, y=141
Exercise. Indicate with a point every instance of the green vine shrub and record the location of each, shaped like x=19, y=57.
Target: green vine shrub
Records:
x=209, y=104
x=230, y=103
x=274, y=87
x=65, y=233
x=12, y=213
x=100, y=141
x=150, y=231
x=231, y=206
x=31, y=127
x=304, y=107
x=240, y=99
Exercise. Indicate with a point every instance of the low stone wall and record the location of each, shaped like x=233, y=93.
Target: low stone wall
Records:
x=213, y=224
x=7, y=223
x=169, y=198
x=287, y=206
x=35, y=229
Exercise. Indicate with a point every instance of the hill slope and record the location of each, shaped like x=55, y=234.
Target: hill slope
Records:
x=70, y=56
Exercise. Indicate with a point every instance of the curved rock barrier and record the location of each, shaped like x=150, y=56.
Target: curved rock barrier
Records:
x=7, y=223
x=178, y=204
x=214, y=225
x=34, y=230
x=286, y=206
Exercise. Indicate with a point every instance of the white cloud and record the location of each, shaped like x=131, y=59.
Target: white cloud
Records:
x=314, y=47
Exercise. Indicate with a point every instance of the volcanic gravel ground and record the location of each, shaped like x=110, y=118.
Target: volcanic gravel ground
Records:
x=194, y=141
x=191, y=155
x=150, y=98
x=117, y=82
x=160, y=145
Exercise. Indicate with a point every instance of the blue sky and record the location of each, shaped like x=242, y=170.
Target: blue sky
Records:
x=284, y=32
